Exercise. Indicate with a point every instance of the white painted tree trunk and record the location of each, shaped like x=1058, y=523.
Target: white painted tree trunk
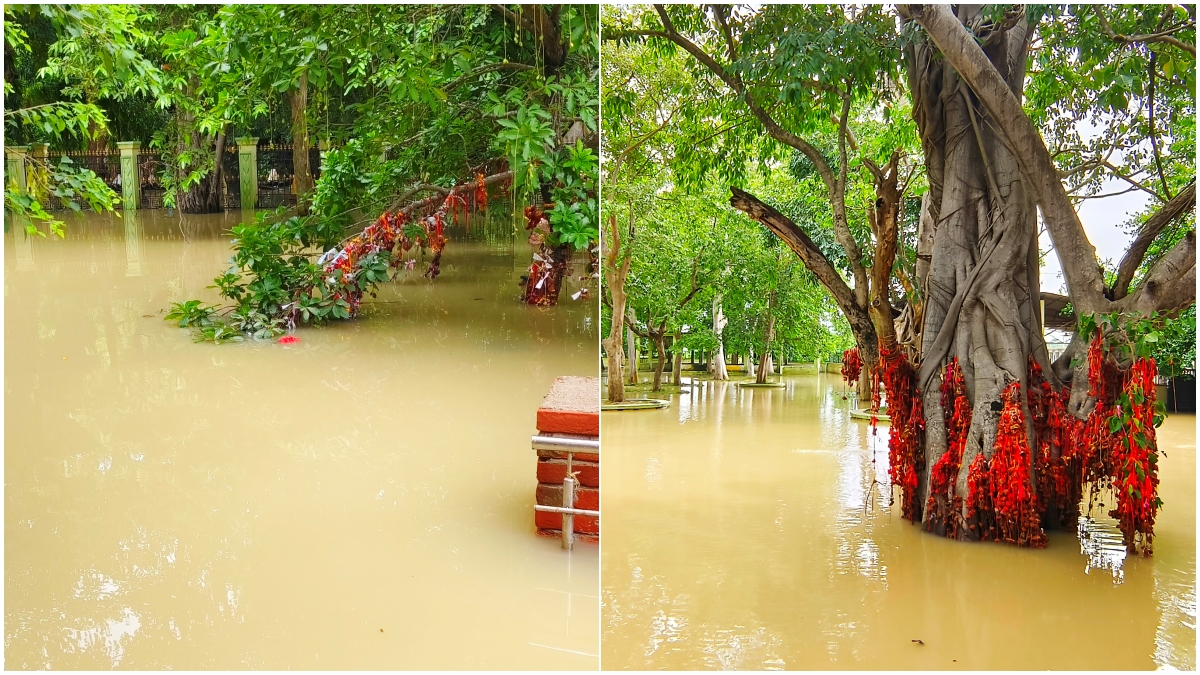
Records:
x=718, y=370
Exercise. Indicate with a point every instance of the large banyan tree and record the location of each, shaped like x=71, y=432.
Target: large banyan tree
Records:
x=990, y=439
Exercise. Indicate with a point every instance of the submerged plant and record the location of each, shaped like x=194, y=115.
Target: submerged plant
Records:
x=287, y=272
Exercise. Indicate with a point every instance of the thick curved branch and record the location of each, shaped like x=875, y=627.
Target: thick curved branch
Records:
x=1177, y=294
x=799, y=241
x=1075, y=252
x=1182, y=203
x=1164, y=288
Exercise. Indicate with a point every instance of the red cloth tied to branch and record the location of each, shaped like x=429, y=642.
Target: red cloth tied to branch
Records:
x=851, y=365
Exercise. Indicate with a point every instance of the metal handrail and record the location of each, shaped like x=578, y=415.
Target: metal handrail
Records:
x=569, y=446
x=560, y=509
x=566, y=444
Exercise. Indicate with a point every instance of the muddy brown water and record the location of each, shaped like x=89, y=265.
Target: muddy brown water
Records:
x=361, y=499
x=738, y=534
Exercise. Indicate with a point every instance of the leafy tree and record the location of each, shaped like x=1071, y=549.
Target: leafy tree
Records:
x=793, y=79
x=819, y=81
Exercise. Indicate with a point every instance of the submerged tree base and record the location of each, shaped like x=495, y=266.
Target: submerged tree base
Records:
x=1044, y=462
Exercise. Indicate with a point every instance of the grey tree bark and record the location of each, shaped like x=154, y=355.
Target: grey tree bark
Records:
x=298, y=97
x=981, y=283
x=617, y=264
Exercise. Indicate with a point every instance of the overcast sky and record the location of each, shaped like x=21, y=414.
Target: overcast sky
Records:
x=1102, y=220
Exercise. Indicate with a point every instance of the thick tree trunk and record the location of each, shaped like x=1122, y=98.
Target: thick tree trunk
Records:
x=659, y=338
x=764, y=364
x=631, y=353
x=298, y=98
x=618, y=270
x=1005, y=452
x=545, y=23
x=677, y=369
x=207, y=196
x=982, y=286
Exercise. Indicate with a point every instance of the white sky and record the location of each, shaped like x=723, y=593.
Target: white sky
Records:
x=1102, y=220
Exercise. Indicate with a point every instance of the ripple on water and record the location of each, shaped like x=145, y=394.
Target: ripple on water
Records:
x=111, y=637
x=1102, y=545
x=741, y=648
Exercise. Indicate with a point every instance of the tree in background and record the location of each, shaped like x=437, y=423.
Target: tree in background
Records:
x=91, y=54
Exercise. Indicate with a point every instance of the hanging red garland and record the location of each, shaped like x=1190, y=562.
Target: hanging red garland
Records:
x=851, y=366
x=944, y=506
x=1003, y=501
x=1008, y=499
x=549, y=262
x=390, y=232
x=907, y=419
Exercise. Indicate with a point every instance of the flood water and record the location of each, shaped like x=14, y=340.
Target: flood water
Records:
x=738, y=534
x=360, y=499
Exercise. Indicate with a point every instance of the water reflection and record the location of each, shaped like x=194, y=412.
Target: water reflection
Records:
x=133, y=245
x=754, y=528
x=1101, y=542
x=361, y=499
x=22, y=245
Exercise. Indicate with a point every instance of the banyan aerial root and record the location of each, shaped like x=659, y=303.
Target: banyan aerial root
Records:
x=1024, y=484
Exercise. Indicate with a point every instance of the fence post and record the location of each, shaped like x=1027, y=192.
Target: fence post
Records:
x=41, y=155
x=14, y=166
x=133, y=244
x=248, y=170
x=131, y=178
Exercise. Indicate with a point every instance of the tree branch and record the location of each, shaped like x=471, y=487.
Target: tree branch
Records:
x=1163, y=36
x=483, y=70
x=733, y=82
x=1162, y=290
x=799, y=241
x=1182, y=203
x=1075, y=252
x=719, y=14
x=1162, y=176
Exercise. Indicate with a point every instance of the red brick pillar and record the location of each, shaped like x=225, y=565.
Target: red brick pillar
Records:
x=570, y=410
